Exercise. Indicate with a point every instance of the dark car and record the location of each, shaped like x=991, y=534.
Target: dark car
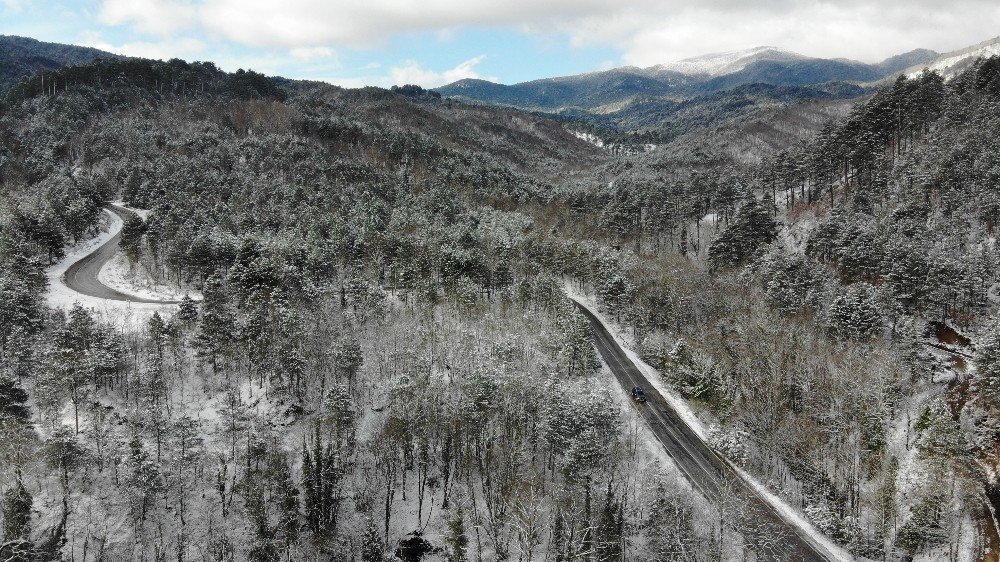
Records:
x=638, y=394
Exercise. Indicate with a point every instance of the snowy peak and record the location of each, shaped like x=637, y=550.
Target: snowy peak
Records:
x=952, y=64
x=717, y=64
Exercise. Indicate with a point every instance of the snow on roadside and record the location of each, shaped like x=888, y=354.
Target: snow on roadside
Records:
x=122, y=276
x=793, y=516
x=653, y=465
x=143, y=213
x=60, y=296
x=681, y=406
x=687, y=413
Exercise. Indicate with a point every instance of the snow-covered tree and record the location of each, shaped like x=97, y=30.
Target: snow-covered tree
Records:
x=855, y=313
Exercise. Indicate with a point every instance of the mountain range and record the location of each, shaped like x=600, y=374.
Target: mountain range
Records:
x=630, y=104
x=660, y=103
x=609, y=90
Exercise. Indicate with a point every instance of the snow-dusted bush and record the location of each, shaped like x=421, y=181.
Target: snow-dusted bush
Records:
x=731, y=442
x=825, y=520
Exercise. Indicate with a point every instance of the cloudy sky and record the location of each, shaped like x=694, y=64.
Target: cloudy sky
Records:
x=433, y=42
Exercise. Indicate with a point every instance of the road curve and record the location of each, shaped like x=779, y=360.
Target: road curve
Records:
x=712, y=475
x=81, y=276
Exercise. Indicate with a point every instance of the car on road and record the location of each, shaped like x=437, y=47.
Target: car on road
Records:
x=638, y=394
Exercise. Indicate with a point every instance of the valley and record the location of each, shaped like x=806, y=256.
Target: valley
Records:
x=245, y=317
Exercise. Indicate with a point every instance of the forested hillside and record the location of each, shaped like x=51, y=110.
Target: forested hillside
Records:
x=383, y=361
x=871, y=243
x=21, y=57
x=635, y=106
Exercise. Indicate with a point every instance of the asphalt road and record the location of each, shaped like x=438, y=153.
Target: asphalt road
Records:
x=82, y=275
x=708, y=472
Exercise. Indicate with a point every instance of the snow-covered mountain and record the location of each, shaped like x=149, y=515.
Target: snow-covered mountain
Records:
x=951, y=64
x=757, y=74
x=718, y=64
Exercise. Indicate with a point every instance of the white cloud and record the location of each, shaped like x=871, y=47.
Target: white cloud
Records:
x=150, y=16
x=850, y=28
x=310, y=53
x=358, y=81
x=606, y=65
x=180, y=47
x=411, y=72
x=645, y=31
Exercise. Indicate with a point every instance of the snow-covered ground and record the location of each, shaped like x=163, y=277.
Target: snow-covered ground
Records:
x=589, y=137
x=951, y=64
x=122, y=276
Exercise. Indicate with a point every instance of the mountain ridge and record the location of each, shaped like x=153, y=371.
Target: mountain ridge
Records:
x=681, y=80
x=952, y=63
x=23, y=56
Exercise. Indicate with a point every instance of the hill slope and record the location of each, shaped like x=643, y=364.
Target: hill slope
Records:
x=954, y=63
x=22, y=56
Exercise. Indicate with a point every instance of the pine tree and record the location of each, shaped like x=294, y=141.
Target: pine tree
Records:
x=144, y=479
x=347, y=354
x=322, y=472
x=339, y=414
x=16, y=512
x=855, y=314
x=455, y=538
x=751, y=229
x=157, y=330
x=987, y=359
x=187, y=311
x=372, y=547
x=13, y=402
x=262, y=547
x=288, y=506
x=608, y=535
x=217, y=324
x=131, y=237
x=559, y=536
x=577, y=346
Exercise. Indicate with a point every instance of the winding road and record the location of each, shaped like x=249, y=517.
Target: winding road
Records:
x=81, y=276
x=765, y=530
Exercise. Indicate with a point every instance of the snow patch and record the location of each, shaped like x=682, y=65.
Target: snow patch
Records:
x=717, y=64
x=952, y=64
x=122, y=276
x=590, y=138
x=143, y=213
x=618, y=149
